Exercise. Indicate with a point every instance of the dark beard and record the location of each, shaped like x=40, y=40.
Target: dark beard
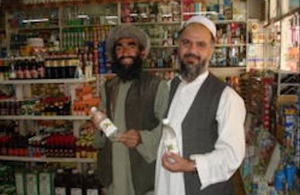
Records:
x=190, y=72
x=127, y=73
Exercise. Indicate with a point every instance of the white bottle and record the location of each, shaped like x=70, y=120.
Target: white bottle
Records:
x=104, y=123
x=170, y=140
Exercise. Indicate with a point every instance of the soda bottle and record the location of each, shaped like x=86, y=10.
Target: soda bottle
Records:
x=104, y=123
x=60, y=186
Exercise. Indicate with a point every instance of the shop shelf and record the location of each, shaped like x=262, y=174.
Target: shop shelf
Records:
x=28, y=117
x=45, y=159
x=47, y=81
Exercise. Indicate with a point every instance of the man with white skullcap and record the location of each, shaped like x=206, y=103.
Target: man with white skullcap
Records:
x=136, y=103
x=208, y=119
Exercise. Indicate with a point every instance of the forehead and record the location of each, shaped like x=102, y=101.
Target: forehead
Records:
x=126, y=40
x=196, y=30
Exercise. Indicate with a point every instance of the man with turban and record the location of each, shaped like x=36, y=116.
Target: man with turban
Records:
x=136, y=103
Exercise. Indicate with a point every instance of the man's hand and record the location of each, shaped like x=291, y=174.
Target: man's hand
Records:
x=176, y=163
x=130, y=138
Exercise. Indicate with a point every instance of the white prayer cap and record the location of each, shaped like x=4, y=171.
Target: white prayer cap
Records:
x=210, y=25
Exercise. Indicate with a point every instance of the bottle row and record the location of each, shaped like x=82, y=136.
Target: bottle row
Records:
x=59, y=181
x=34, y=69
x=51, y=106
x=233, y=33
x=78, y=37
x=48, y=180
x=229, y=56
x=48, y=145
x=83, y=64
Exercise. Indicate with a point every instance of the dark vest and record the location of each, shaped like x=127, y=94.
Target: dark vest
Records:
x=200, y=132
x=139, y=114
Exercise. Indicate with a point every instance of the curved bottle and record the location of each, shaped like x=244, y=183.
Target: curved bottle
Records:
x=170, y=140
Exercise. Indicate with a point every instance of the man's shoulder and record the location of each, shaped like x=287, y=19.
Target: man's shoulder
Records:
x=112, y=81
x=146, y=77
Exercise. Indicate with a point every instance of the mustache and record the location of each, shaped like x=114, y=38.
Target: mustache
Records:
x=192, y=55
x=123, y=57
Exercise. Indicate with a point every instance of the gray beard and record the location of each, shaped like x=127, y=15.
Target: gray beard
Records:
x=191, y=72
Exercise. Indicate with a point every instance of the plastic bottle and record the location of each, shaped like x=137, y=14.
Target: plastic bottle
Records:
x=170, y=141
x=104, y=123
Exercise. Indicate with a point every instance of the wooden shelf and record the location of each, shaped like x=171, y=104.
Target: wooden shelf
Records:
x=37, y=28
x=290, y=84
x=86, y=26
x=71, y=56
x=156, y=23
x=231, y=45
x=276, y=19
x=47, y=81
x=158, y=69
x=229, y=21
x=45, y=159
x=227, y=71
x=21, y=6
x=28, y=117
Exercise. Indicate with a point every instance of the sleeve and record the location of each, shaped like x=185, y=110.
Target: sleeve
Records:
x=150, y=139
x=230, y=146
x=100, y=138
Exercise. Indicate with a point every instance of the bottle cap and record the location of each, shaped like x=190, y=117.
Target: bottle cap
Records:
x=93, y=110
x=59, y=170
x=166, y=121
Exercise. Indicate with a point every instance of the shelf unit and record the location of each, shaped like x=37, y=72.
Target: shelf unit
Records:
x=114, y=9
x=23, y=86
x=289, y=81
x=284, y=109
x=65, y=30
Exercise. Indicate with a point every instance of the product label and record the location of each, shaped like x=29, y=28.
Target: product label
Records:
x=20, y=183
x=32, y=184
x=76, y=191
x=44, y=184
x=92, y=192
x=171, y=146
x=108, y=127
x=60, y=191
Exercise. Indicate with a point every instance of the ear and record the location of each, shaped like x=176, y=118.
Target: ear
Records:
x=143, y=55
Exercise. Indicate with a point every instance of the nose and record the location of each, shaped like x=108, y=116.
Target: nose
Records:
x=125, y=52
x=192, y=48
